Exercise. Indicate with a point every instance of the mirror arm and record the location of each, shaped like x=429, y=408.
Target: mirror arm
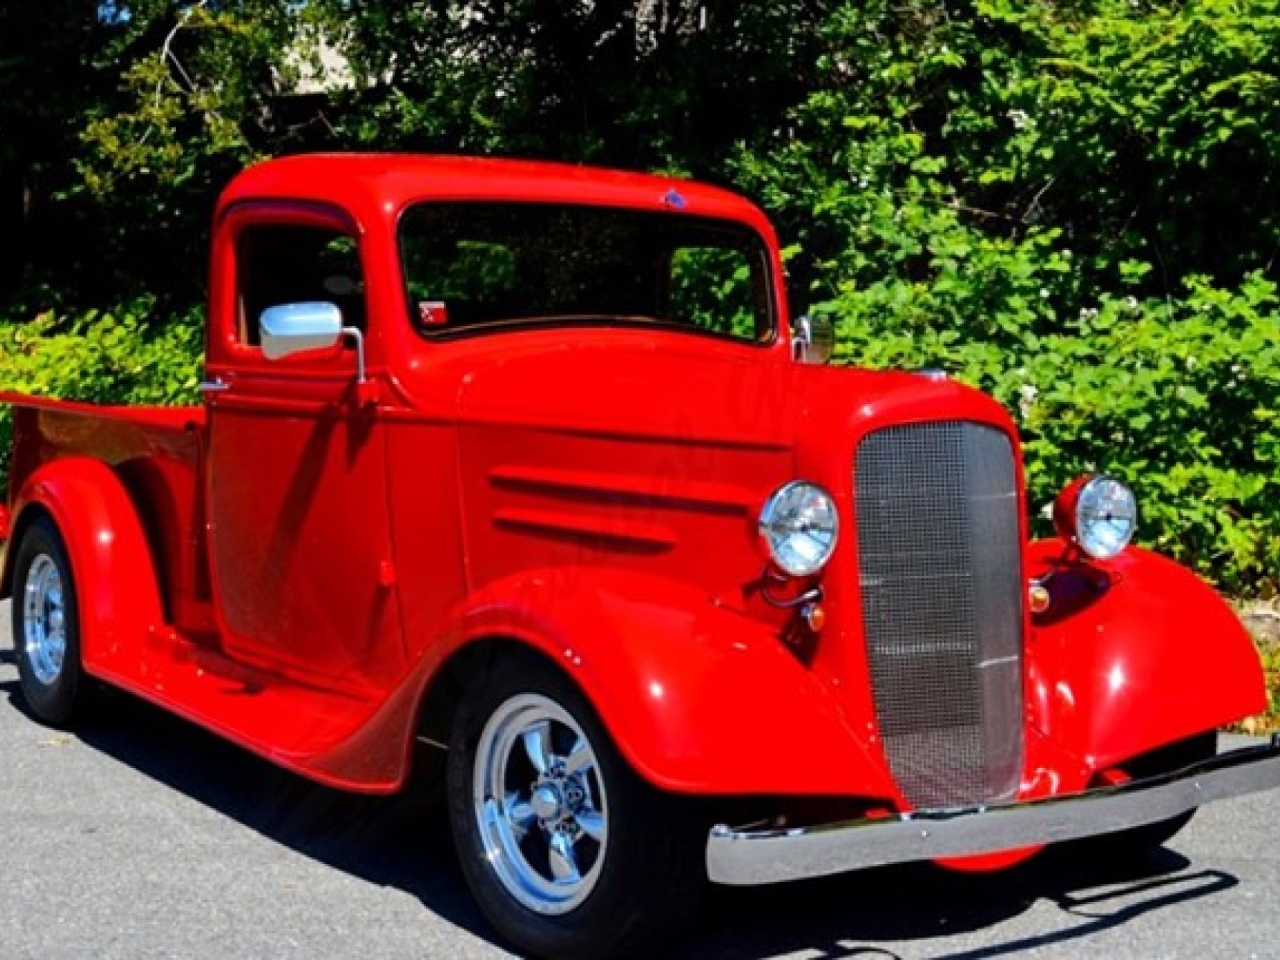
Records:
x=811, y=340
x=356, y=335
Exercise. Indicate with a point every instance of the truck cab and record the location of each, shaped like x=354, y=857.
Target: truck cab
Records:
x=525, y=464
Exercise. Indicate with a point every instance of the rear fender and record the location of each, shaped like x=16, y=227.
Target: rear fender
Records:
x=1149, y=655
x=698, y=697
x=111, y=561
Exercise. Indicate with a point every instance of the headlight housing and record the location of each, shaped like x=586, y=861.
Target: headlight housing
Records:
x=1098, y=513
x=800, y=526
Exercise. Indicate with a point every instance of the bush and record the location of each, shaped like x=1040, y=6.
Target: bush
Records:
x=113, y=356
x=1180, y=398
x=1072, y=206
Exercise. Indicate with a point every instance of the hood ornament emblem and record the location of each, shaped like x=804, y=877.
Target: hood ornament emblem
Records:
x=673, y=199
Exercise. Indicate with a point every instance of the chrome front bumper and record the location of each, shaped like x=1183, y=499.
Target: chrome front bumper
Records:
x=749, y=857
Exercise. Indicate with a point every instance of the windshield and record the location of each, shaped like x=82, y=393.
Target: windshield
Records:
x=476, y=265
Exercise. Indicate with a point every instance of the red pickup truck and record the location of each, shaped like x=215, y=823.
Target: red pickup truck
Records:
x=525, y=463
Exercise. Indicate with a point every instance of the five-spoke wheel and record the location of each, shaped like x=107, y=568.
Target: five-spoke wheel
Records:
x=540, y=804
x=568, y=852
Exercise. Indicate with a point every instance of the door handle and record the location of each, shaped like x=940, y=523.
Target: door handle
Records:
x=215, y=385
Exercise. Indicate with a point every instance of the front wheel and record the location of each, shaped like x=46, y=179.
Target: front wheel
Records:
x=566, y=850
x=46, y=626
x=1177, y=756
x=1137, y=842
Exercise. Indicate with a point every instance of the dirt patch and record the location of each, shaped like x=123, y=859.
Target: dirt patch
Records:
x=1262, y=618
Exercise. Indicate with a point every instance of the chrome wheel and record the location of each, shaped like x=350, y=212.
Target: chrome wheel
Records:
x=568, y=851
x=44, y=617
x=46, y=626
x=539, y=802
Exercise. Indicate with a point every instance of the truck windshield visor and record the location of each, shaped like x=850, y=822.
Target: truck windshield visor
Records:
x=480, y=265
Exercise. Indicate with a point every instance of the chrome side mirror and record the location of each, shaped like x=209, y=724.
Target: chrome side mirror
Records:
x=292, y=328
x=813, y=339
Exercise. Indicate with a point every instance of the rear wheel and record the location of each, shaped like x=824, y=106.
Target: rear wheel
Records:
x=566, y=850
x=46, y=626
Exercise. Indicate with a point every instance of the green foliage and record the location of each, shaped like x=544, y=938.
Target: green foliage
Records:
x=1165, y=116
x=1073, y=204
x=673, y=84
x=1178, y=397
x=713, y=288
x=1074, y=207
x=117, y=356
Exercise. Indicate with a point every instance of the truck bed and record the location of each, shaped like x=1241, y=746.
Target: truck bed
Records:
x=164, y=417
x=155, y=451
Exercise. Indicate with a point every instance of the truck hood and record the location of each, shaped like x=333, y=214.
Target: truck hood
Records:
x=654, y=450
x=689, y=390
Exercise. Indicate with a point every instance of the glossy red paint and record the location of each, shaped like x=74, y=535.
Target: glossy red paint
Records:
x=91, y=508
x=1136, y=652
x=295, y=564
x=1064, y=508
x=697, y=694
x=154, y=453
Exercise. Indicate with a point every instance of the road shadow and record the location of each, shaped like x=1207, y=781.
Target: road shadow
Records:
x=400, y=841
x=855, y=915
x=403, y=842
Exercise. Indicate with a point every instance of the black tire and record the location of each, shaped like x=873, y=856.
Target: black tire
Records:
x=46, y=626
x=1170, y=759
x=631, y=857
x=1138, y=842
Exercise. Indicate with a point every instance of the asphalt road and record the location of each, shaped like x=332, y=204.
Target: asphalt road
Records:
x=144, y=837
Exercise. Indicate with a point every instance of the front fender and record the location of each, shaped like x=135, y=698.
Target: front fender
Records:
x=1147, y=656
x=119, y=600
x=698, y=697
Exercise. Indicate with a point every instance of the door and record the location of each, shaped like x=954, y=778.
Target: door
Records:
x=300, y=548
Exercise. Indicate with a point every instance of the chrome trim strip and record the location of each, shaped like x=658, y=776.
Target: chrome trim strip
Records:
x=750, y=857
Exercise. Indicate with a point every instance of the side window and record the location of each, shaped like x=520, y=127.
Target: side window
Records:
x=297, y=264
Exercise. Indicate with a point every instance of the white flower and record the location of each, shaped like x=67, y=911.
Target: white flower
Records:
x=1027, y=394
x=1021, y=120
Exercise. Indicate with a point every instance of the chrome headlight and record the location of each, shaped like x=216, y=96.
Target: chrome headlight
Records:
x=1098, y=513
x=799, y=524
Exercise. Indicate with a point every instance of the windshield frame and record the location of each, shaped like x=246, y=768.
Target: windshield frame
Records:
x=760, y=255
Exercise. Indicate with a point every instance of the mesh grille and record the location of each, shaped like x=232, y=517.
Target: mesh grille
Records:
x=940, y=559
